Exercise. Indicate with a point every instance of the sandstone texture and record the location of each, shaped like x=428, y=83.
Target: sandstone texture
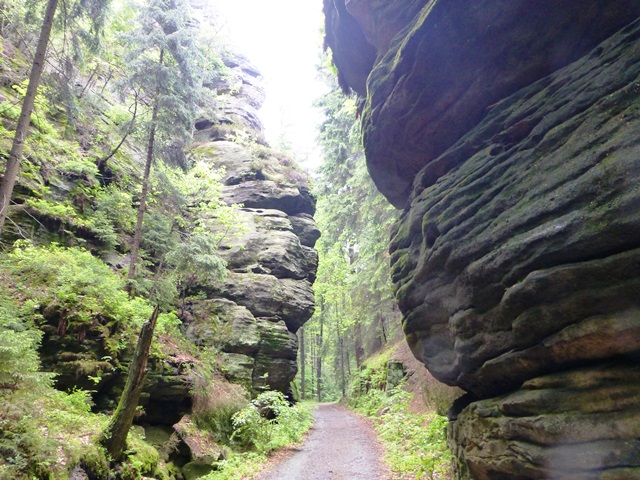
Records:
x=452, y=62
x=508, y=132
x=252, y=315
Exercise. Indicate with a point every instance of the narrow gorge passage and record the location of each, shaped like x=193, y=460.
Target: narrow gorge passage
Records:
x=341, y=446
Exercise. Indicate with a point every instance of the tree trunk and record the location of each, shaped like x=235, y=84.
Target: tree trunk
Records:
x=22, y=129
x=359, y=348
x=319, y=361
x=383, y=328
x=114, y=438
x=343, y=378
x=302, y=365
x=312, y=363
x=137, y=237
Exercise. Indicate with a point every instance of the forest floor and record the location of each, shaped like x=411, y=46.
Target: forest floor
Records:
x=340, y=446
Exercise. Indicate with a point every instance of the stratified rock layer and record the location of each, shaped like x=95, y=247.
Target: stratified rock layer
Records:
x=517, y=259
x=253, y=314
x=452, y=63
x=577, y=425
x=525, y=260
x=532, y=244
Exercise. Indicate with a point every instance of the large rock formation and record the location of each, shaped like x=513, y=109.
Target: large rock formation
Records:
x=509, y=132
x=253, y=315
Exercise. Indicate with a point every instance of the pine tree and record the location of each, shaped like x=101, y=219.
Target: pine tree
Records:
x=163, y=65
x=95, y=11
x=13, y=163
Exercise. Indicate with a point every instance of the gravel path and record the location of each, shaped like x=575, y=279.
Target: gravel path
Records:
x=340, y=446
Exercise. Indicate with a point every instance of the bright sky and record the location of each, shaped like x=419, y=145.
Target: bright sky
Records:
x=283, y=39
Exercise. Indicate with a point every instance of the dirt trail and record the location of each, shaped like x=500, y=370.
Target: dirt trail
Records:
x=340, y=446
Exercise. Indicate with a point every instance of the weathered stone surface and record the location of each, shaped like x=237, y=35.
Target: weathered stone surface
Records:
x=276, y=364
x=240, y=94
x=268, y=296
x=269, y=246
x=222, y=323
x=304, y=226
x=381, y=21
x=270, y=262
x=268, y=194
x=525, y=258
x=457, y=59
x=579, y=425
x=238, y=368
x=202, y=448
x=351, y=52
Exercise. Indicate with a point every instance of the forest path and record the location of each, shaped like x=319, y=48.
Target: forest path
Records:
x=340, y=446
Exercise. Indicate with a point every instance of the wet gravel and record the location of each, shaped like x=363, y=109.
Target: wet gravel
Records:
x=340, y=446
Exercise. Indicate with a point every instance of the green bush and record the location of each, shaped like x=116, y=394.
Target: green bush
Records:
x=415, y=443
x=269, y=423
x=73, y=281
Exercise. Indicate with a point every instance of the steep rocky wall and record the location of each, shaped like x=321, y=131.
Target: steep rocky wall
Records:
x=253, y=315
x=517, y=260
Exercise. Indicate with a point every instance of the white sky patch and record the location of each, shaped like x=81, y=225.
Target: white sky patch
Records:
x=283, y=39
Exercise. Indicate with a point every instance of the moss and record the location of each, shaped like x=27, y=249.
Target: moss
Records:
x=95, y=463
x=206, y=150
x=142, y=458
x=401, y=235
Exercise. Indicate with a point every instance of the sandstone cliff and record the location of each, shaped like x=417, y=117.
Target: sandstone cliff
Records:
x=508, y=133
x=253, y=315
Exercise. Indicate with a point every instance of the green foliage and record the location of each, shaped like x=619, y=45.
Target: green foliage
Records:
x=415, y=443
x=269, y=423
x=19, y=362
x=170, y=81
x=239, y=465
x=43, y=431
x=356, y=312
x=78, y=284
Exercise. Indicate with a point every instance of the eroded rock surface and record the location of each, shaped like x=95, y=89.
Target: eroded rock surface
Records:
x=451, y=63
x=253, y=314
x=531, y=244
x=517, y=258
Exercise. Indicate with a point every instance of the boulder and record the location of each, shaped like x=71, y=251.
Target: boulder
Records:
x=223, y=324
x=276, y=365
x=304, y=226
x=269, y=194
x=269, y=246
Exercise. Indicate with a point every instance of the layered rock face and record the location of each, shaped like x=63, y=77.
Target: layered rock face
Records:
x=509, y=132
x=253, y=315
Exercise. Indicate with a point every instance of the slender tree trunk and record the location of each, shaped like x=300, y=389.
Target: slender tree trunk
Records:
x=319, y=360
x=312, y=364
x=22, y=129
x=137, y=236
x=358, y=342
x=383, y=327
x=343, y=376
x=302, y=365
x=114, y=438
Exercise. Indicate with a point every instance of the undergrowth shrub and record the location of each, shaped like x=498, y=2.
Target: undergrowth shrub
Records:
x=415, y=443
x=73, y=281
x=269, y=423
x=214, y=407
